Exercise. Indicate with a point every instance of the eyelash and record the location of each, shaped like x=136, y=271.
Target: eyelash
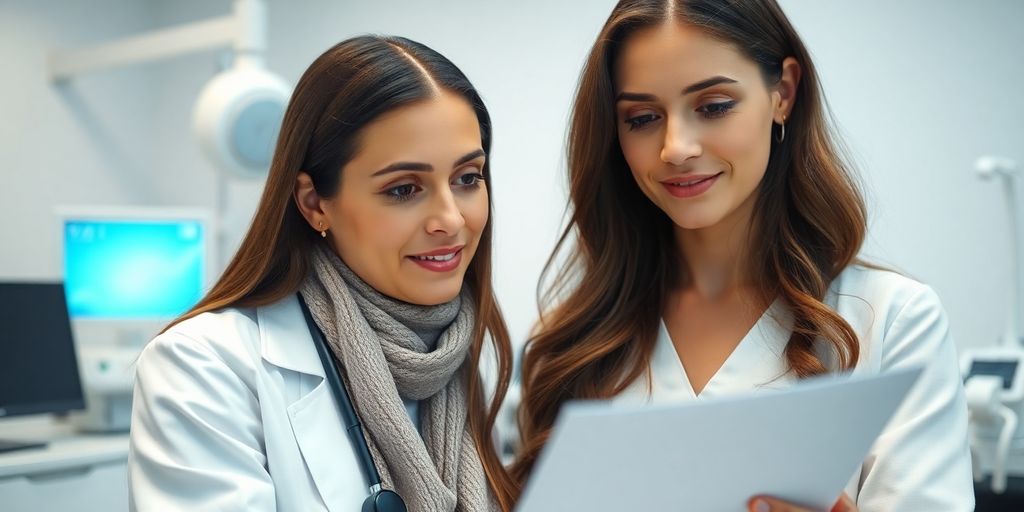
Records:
x=478, y=178
x=394, y=194
x=717, y=109
x=638, y=122
x=709, y=111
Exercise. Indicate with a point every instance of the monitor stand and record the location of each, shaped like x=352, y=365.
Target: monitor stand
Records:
x=10, y=446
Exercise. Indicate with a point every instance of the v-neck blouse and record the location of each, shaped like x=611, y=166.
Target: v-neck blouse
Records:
x=757, y=362
x=921, y=461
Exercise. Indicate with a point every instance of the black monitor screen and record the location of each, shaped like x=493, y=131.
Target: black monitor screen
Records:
x=1002, y=369
x=38, y=368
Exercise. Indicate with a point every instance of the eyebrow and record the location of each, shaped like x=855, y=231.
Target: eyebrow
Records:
x=690, y=89
x=710, y=82
x=425, y=167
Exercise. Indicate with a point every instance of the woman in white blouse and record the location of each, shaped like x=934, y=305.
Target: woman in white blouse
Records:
x=716, y=230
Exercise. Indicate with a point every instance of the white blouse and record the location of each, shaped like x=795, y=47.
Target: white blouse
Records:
x=921, y=462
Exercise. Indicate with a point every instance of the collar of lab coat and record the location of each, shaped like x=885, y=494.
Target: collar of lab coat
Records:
x=286, y=340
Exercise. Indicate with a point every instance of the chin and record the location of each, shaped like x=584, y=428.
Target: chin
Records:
x=694, y=220
x=434, y=294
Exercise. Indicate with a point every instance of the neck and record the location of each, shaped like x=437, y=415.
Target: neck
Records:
x=717, y=257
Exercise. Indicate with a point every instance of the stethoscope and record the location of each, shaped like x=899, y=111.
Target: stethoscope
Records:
x=380, y=499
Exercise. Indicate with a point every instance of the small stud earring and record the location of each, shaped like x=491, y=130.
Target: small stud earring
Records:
x=323, y=232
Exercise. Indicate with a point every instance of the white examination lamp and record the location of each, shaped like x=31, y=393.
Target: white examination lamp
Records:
x=238, y=116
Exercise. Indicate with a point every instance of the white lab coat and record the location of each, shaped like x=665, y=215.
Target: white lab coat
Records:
x=921, y=462
x=232, y=412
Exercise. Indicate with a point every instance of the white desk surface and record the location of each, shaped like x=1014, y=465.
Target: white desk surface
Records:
x=66, y=449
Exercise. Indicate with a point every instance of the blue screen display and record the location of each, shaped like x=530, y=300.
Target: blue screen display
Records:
x=133, y=269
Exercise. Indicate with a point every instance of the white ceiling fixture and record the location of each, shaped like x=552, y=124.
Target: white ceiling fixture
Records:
x=238, y=114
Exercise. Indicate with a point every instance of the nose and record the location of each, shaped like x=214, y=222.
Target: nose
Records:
x=445, y=216
x=681, y=142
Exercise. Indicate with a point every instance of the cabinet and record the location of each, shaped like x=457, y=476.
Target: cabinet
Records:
x=73, y=472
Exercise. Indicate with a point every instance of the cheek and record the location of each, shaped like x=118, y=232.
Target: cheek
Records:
x=370, y=231
x=634, y=150
x=642, y=153
x=746, y=146
x=757, y=146
x=475, y=210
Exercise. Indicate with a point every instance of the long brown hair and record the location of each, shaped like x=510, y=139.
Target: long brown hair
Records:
x=809, y=225
x=343, y=90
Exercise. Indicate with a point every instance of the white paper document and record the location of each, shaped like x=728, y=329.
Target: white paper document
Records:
x=802, y=444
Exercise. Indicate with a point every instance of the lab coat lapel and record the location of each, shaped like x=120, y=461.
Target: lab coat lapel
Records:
x=285, y=339
x=315, y=418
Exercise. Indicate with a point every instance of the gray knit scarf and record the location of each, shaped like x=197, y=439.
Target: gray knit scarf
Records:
x=392, y=350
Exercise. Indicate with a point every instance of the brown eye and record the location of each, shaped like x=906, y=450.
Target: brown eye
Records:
x=637, y=122
x=470, y=179
x=402, y=192
x=716, y=110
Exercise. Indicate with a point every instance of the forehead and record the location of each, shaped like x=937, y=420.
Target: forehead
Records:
x=675, y=55
x=434, y=129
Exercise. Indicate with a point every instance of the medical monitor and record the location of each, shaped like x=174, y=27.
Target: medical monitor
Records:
x=127, y=272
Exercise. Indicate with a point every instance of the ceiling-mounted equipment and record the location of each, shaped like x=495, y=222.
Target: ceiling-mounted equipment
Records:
x=238, y=113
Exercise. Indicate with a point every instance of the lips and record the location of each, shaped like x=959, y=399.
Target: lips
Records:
x=444, y=259
x=690, y=186
x=692, y=180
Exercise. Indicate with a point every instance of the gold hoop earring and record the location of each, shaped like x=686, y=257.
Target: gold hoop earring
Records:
x=323, y=232
x=782, y=131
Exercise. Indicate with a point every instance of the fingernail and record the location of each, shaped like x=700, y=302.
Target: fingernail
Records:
x=762, y=506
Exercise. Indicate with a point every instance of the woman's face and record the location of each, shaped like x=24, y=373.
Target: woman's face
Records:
x=695, y=123
x=412, y=204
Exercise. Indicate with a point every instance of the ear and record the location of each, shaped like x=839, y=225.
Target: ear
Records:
x=784, y=95
x=310, y=203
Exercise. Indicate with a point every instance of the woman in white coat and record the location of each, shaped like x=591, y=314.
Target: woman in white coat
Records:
x=370, y=252
x=716, y=234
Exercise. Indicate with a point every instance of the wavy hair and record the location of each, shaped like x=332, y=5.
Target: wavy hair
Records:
x=608, y=296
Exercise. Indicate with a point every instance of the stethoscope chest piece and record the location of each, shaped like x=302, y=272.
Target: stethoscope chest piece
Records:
x=384, y=501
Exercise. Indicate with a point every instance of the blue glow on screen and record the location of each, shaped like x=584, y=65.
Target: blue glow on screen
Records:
x=133, y=269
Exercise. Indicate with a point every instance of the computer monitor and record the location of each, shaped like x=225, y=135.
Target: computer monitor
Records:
x=38, y=367
x=128, y=271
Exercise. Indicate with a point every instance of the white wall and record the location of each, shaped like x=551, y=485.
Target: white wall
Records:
x=85, y=142
x=920, y=88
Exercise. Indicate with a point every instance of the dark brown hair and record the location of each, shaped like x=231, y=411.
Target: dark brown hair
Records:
x=343, y=90
x=809, y=225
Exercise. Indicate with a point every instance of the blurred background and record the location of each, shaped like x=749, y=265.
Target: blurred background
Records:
x=98, y=163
